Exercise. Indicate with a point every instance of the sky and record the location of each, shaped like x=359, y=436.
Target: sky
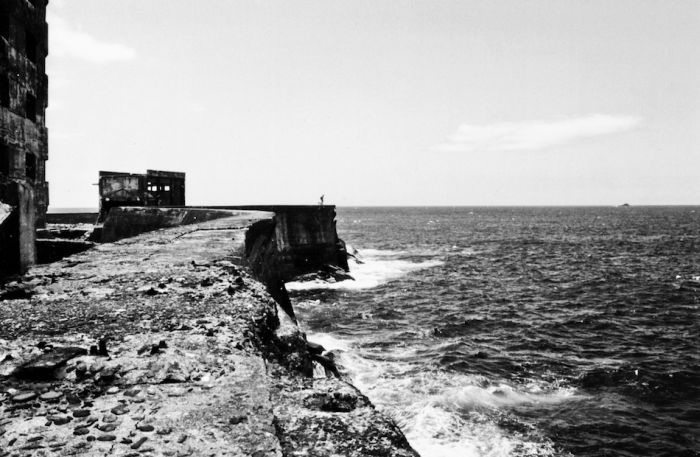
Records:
x=375, y=102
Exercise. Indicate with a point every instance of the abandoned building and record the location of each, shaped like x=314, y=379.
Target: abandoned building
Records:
x=155, y=188
x=24, y=195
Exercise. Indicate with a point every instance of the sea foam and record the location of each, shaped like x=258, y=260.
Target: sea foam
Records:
x=377, y=267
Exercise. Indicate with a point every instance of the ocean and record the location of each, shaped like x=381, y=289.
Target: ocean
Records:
x=521, y=331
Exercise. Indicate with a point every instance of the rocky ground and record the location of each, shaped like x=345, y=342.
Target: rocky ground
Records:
x=164, y=344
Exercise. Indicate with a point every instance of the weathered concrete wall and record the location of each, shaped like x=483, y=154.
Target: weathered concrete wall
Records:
x=71, y=218
x=191, y=357
x=24, y=97
x=125, y=222
x=305, y=237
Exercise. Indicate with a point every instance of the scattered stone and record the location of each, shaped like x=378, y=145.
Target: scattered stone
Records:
x=107, y=437
x=119, y=410
x=81, y=431
x=108, y=375
x=155, y=349
x=80, y=370
x=113, y=390
x=162, y=344
x=91, y=420
x=138, y=443
x=106, y=427
x=145, y=427
x=181, y=439
x=237, y=419
x=23, y=397
x=34, y=438
x=131, y=392
x=164, y=430
x=231, y=290
x=93, y=349
x=81, y=413
x=51, y=396
x=109, y=418
x=59, y=420
x=102, y=347
x=126, y=441
x=90, y=438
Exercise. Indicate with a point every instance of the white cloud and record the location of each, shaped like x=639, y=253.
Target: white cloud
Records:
x=68, y=41
x=533, y=135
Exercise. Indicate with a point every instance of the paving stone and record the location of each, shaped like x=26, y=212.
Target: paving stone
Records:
x=139, y=442
x=109, y=418
x=81, y=431
x=24, y=396
x=119, y=410
x=107, y=427
x=51, y=396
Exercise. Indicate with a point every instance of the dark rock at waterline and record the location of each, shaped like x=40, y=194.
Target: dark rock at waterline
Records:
x=328, y=363
x=336, y=402
x=315, y=348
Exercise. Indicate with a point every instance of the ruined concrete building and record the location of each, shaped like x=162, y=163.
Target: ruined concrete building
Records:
x=24, y=195
x=155, y=188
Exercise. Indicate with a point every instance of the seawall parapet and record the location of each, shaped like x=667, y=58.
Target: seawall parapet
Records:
x=165, y=343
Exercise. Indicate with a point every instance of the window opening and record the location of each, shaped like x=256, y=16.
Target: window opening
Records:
x=30, y=46
x=30, y=107
x=4, y=159
x=4, y=91
x=30, y=166
x=5, y=25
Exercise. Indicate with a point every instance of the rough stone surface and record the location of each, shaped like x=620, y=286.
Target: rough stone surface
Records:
x=227, y=377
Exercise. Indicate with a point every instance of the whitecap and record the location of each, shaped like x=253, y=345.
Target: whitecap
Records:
x=376, y=269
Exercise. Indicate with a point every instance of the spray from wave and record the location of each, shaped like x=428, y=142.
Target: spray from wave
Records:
x=372, y=269
x=443, y=414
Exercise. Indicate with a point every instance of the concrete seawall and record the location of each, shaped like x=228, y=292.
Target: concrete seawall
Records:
x=167, y=344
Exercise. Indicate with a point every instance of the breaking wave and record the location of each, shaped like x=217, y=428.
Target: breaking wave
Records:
x=444, y=414
x=376, y=267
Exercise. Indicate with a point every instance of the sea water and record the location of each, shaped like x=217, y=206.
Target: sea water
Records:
x=521, y=331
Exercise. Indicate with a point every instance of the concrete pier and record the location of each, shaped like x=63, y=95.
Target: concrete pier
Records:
x=166, y=344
